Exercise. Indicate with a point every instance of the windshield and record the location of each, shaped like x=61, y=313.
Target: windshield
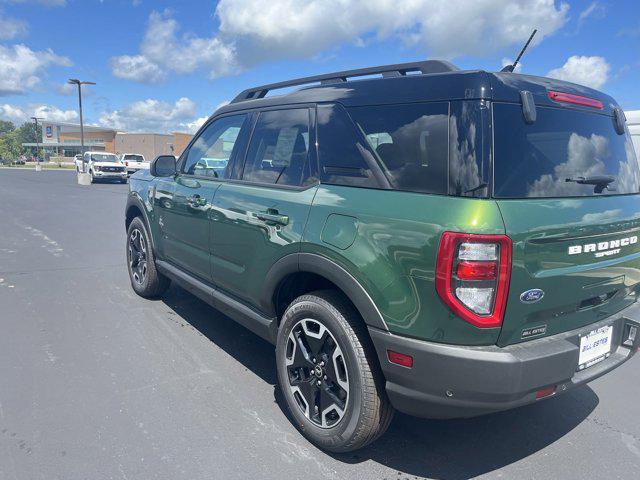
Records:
x=564, y=153
x=135, y=158
x=104, y=157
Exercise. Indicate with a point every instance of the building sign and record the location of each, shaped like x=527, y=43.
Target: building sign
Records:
x=50, y=133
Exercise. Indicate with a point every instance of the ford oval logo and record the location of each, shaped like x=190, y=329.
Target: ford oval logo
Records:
x=531, y=296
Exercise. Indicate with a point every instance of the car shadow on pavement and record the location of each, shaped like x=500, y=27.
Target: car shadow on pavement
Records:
x=440, y=449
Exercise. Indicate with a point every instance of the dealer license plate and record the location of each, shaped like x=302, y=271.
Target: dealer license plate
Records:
x=595, y=347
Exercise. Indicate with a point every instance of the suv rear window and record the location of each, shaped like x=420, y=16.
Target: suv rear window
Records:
x=411, y=142
x=548, y=157
x=135, y=158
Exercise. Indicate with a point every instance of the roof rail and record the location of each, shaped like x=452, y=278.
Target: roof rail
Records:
x=396, y=70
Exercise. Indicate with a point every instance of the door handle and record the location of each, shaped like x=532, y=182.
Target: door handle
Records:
x=272, y=216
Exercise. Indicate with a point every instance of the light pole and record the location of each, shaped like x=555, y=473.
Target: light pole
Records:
x=75, y=81
x=35, y=119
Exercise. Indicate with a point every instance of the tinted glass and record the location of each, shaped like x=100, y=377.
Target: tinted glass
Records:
x=135, y=158
x=209, y=155
x=469, y=151
x=104, y=157
x=550, y=156
x=279, y=148
x=410, y=142
x=343, y=154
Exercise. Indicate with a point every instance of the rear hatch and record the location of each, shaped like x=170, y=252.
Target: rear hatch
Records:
x=567, y=187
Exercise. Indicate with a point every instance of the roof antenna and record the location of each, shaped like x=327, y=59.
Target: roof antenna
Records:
x=511, y=68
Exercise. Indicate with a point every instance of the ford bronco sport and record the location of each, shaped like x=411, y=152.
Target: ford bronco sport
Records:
x=440, y=242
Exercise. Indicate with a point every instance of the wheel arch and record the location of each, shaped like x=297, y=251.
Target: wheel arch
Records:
x=135, y=208
x=300, y=273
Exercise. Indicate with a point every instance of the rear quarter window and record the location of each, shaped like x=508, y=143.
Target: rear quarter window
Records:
x=410, y=142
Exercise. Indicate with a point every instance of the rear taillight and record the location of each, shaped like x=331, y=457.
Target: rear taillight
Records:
x=126, y=164
x=576, y=99
x=472, y=276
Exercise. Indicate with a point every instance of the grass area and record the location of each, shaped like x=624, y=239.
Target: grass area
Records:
x=45, y=166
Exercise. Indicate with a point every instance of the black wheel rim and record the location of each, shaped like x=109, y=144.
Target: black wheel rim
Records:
x=137, y=252
x=317, y=373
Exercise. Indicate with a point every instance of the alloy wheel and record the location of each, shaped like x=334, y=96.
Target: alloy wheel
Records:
x=137, y=256
x=317, y=373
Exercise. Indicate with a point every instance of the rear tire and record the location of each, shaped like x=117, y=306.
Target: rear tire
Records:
x=145, y=278
x=329, y=375
x=93, y=179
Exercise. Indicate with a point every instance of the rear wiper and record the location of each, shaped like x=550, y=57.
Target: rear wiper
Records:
x=600, y=182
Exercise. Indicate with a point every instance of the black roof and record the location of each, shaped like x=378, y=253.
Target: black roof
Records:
x=445, y=82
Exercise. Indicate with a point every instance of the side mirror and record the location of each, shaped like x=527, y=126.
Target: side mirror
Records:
x=163, y=166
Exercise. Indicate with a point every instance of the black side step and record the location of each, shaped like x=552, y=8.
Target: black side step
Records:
x=247, y=317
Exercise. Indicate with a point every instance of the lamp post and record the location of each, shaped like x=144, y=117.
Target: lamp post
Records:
x=75, y=81
x=35, y=119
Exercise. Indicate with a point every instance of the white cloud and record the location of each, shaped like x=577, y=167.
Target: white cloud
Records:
x=152, y=115
x=589, y=71
x=22, y=68
x=192, y=127
x=11, y=27
x=507, y=61
x=163, y=51
x=595, y=9
x=19, y=115
x=137, y=68
x=308, y=27
x=254, y=31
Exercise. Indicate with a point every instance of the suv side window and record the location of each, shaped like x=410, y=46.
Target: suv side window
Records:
x=343, y=154
x=209, y=155
x=279, y=148
x=411, y=142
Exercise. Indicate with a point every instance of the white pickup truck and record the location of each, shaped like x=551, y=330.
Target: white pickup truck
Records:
x=134, y=162
x=102, y=166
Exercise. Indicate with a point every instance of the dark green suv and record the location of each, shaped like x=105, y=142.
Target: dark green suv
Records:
x=445, y=243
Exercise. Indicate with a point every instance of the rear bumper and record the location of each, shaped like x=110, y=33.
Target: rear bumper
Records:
x=450, y=381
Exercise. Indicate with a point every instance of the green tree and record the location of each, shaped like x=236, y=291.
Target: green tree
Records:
x=6, y=127
x=10, y=147
x=28, y=133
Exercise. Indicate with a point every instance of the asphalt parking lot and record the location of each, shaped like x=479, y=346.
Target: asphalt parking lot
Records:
x=98, y=383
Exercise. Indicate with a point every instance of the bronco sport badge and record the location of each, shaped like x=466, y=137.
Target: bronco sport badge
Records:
x=602, y=249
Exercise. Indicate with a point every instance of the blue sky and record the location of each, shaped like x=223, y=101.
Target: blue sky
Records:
x=166, y=65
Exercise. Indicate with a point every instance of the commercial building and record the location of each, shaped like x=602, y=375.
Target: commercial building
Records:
x=148, y=144
x=633, y=122
x=63, y=140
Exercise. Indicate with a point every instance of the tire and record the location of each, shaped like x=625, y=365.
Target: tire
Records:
x=327, y=326
x=93, y=179
x=145, y=278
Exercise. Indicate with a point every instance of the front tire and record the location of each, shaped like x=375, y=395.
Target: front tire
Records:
x=145, y=278
x=329, y=375
x=93, y=179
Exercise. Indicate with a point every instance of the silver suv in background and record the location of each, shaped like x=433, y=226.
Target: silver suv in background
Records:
x=134, y=162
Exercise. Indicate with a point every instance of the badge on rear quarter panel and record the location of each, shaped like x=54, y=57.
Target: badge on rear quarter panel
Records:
x=531, y=296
